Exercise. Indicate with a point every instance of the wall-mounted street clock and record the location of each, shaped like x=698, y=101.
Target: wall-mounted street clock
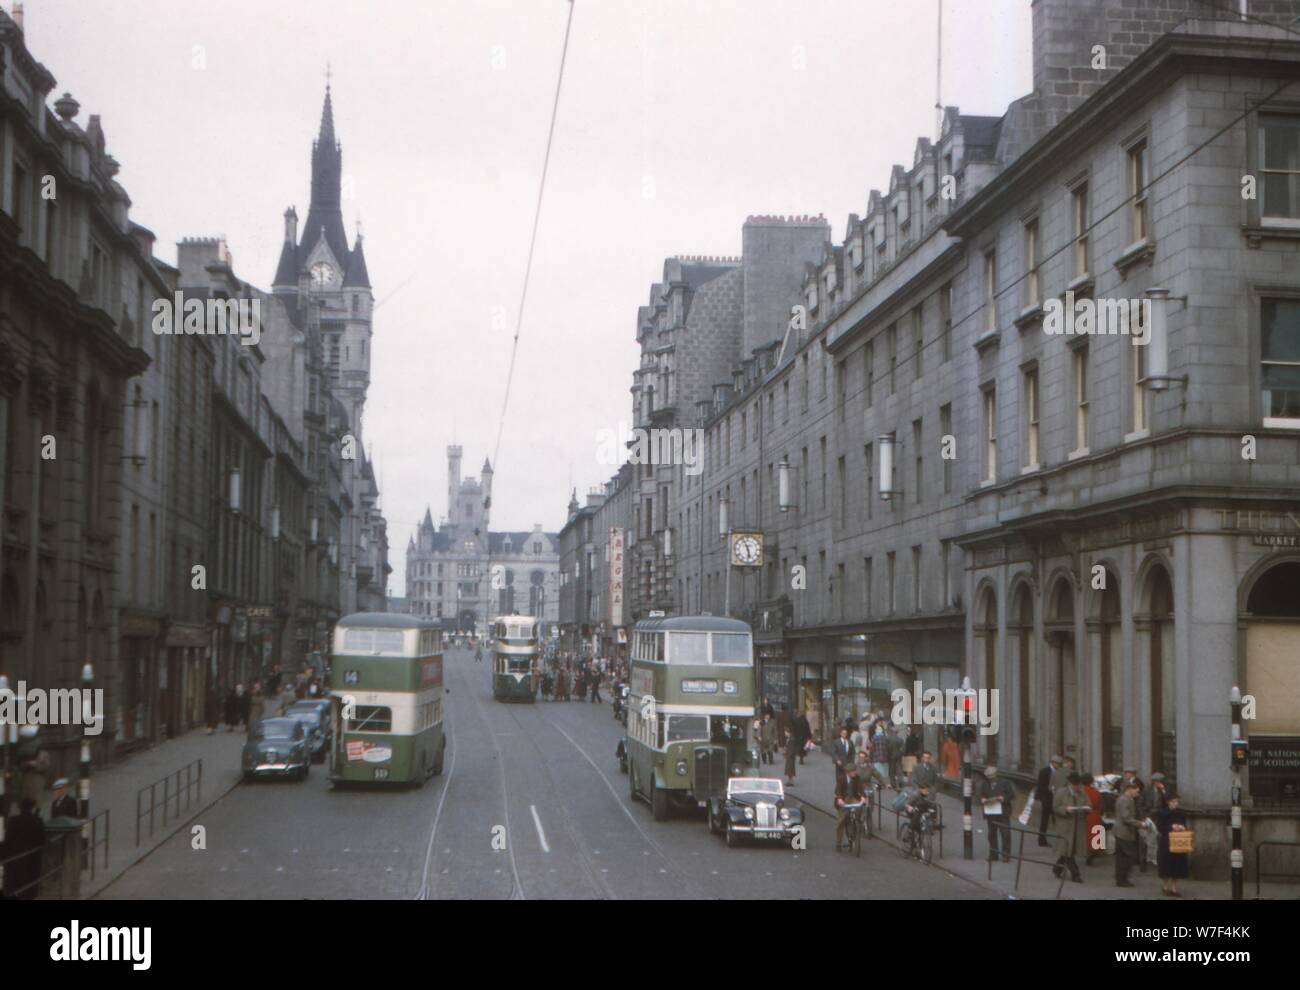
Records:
x=747, y=549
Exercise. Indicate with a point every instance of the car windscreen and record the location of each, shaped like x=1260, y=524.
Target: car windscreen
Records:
x=282, y=729
x=757, y=788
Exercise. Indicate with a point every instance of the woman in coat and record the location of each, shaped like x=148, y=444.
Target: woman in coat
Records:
x=1171, y=866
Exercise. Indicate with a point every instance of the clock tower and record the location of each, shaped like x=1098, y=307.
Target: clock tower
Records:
x=317, y=269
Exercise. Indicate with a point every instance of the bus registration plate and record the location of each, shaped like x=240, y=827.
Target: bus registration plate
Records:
x=381, y=773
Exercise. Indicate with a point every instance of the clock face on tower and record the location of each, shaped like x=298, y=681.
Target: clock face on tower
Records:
x=747, y=549
x=322, y=273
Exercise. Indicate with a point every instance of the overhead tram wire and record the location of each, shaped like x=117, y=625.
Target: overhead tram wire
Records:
x=532, y=241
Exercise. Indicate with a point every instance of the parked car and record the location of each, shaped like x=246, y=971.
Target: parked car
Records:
x=277, y=747
x=754, y=807
x=315, y=716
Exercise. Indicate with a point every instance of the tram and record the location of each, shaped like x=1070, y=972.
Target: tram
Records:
x=689, y=708
x=516, y=651
x=386, y=695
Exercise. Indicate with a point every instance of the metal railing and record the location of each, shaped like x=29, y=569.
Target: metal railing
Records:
x=1021, y=859
x=1259, y=876
x=95, y=832
x=184, y=784
x=32, y=889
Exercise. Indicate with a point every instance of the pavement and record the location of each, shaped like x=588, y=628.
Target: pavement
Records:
x=116, y=788
x=530, y=804
x=815, y=788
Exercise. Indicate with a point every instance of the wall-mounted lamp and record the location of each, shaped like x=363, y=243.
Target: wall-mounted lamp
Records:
x=668, y=543
x=234, y=489
x=724, y=505
x=783, y=485
x=1158, y=378
x=275, y=522
x=884, y=485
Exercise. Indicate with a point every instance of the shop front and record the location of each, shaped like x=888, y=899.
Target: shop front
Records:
x=141, y=680
x=186, y=678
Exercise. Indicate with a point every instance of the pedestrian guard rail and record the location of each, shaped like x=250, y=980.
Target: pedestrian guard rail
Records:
x=168, y=798
x=95, y=834
x=1291, y=874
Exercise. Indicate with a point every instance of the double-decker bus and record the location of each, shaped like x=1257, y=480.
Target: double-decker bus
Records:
x=386, y=693
x=690, y=705
x=516, y=648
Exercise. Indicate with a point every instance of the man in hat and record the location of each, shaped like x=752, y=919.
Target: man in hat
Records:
x=1126, y=833
x=65, y=805
x=996, y=796
x=1044, y=789
x=1071, y=807
x=848, y=790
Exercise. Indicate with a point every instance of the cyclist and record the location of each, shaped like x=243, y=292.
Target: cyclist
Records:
x=848, y=790
x=917, y=805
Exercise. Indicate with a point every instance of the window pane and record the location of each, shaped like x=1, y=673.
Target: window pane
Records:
x=1280, y=329
x=689, y=648
x=1281, y=195
x=371, y=718
x=1282, y=391
x=688, y=727
x=731, y=648
x=1281, y=140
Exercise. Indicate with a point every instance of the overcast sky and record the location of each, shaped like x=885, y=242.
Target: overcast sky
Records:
x=718, y=108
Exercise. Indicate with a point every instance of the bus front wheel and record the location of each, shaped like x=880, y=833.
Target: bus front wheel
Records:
x=437, y=764
x=658, y=802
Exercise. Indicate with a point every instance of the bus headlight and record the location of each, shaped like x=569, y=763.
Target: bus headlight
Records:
x=681, y=767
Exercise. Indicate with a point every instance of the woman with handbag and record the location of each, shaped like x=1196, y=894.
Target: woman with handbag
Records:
x=1171, y=822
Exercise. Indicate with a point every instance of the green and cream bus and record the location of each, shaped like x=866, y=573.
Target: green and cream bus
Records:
x=387, y=695
x=689, y=709
x=516, y=649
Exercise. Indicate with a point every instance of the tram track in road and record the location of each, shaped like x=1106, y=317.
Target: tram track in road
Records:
x=697, y=891
x=590, y=869
x=426, y=888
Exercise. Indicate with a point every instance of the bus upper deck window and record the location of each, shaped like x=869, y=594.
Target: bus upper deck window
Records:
x=731, y=648
x=689, y=648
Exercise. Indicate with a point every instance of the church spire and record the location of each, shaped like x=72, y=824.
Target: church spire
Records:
x=325, y=215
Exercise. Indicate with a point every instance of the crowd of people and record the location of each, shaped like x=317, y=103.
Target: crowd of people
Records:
x=243, y=708
x=568, y=677
x=1142, y=817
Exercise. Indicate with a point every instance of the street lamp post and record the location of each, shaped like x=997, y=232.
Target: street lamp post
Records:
x=87, y=715
x=967, y=786
x=1237, y=856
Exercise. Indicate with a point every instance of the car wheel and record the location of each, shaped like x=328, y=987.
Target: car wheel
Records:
x=658, y=802
x=249, y=776
x=714, y=827
x=733, y=837
x=437, y=763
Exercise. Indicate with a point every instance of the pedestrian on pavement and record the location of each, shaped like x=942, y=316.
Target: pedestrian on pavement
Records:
x=288, y=695
x=911, y=749
x=951, y=755
x=1070, y=807
x=595, y=686
x=895, y=755
x=802, y=734
x=996, y=796
x=1130, y=773
x=34, y=763
x=842, y=751
x=1043, y=794
x=22, y=847
x=768, y=736
x=547, y=683
x=1095, y=825
x=1126, y=833
x=791, y=752
x=860, y=737
x=767, y=708
x=245, y=705
x=231, y=714
x=212, y=708
x=880, y=752
x=1151, y=802
x=256, y=705
x=65, y=805
x=926, y=772
x=1171, y=866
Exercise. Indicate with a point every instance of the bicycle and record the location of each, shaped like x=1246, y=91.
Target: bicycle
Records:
x=855, y=825
x=917, y=842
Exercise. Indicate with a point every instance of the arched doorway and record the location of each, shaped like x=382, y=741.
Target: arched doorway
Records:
x=1020, y=636
x=1063, y=708
x=1272, y=674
